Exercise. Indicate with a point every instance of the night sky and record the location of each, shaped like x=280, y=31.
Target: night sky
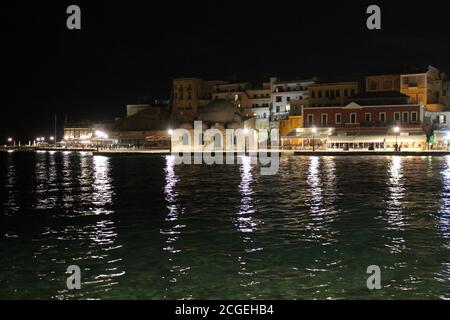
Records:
x=129, y=51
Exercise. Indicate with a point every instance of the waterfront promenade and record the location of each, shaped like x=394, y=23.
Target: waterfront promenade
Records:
x=124, y=151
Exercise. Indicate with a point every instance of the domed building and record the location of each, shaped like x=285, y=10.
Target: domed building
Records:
x=218, y=115
x=221, y=111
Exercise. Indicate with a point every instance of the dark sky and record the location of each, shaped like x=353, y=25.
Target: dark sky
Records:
x=130, y=49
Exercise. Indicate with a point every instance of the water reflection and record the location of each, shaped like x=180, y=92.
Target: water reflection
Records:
x=11, y=181
x=174, y=230
x=321, y=200
x=444, y=211
x=246, y=223
x=45, y=177
x=395, y=206
x=103, y=193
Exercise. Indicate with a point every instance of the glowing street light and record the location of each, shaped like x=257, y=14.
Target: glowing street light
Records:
x=397, y=131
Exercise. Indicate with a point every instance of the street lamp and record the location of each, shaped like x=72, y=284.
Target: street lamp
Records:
x=397, y=131
x=314, y=131
x=170, y=132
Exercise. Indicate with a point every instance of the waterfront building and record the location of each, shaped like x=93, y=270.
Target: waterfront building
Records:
x=87, y=134
x=188, y=95
x=363, y=127
x=145, y=127
x=218, y=115
x=284, y=92
x=424, y=85
x=259, y=100
x=235, y=93
x=332, y=93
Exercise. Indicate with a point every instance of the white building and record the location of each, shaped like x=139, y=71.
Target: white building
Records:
x=283, y=92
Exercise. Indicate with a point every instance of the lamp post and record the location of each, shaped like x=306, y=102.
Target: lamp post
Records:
x=170, y=132
x=397, y=131
x=10, y=140
x=314, y=131
x=52, y=139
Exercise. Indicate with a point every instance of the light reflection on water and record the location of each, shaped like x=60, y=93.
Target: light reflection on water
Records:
x=146, y=228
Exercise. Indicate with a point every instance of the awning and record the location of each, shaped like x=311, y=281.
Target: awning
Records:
x=378, y=138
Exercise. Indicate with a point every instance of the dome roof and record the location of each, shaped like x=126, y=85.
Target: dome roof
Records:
x=220, y=111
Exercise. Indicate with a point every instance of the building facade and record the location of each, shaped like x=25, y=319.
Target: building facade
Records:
x=190, y=94
x=426, y=86
x=284, y=92
x=332, y=94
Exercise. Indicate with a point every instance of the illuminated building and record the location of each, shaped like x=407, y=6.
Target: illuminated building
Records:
x=284, y=92
x=426, y=86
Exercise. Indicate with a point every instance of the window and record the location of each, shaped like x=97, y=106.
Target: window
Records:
x=278, y=108
x=313, y=94
x=405, y=117
x=338, y=118
x=319, y=93
x=352, y=92
x=345, y=92
x=353, y=118
x=414, y=117
x=279, y=99
x=368, y=117
x=388, y=84
x=310, y=119
x=382, y=116
x=327, y=93
x=338, y=93
x=396, y=116
x=288, y=99
x=373, y=85
x=324, y=119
